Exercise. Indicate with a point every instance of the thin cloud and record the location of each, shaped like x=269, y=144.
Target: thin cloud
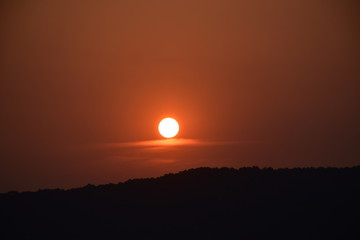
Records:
x=160, y=144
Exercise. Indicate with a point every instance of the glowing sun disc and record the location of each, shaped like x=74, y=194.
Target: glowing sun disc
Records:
x=168, y=127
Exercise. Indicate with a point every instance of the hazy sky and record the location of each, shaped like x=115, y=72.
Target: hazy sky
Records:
x=85, y=83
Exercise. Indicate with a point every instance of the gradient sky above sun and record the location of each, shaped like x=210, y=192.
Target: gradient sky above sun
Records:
x=84, y=85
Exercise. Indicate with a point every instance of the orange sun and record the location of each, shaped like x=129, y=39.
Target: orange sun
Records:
x=168, y=127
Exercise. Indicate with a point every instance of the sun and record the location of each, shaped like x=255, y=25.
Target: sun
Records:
x=168, y=127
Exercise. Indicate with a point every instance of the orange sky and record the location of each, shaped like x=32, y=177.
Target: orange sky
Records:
x=266, y=83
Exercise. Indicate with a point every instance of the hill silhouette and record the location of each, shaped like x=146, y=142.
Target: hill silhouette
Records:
x=203, y=203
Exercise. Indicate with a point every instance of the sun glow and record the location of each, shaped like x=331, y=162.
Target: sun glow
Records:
x=168, y=127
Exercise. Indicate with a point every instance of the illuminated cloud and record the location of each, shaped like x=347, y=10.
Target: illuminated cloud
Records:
x=170, y=142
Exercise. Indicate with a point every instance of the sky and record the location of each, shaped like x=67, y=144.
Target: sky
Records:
x=84, y=84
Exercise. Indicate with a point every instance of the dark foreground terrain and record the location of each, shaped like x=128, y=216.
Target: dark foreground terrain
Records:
x=203, y=203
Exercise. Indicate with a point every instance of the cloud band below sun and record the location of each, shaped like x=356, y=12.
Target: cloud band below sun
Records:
x=171, y=142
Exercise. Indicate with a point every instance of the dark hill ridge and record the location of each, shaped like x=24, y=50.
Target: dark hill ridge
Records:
x=203, y=203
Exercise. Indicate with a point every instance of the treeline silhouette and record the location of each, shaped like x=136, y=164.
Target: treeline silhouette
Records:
x=202, y=203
